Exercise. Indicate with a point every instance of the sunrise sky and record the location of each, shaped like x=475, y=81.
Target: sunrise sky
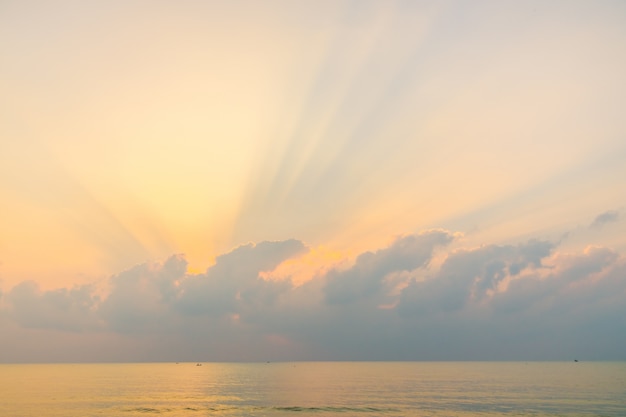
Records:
x=351, y=180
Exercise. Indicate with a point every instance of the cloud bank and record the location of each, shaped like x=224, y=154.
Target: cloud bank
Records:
x=494, y=302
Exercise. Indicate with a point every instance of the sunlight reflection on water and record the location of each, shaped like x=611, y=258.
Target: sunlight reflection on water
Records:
x=325, y=389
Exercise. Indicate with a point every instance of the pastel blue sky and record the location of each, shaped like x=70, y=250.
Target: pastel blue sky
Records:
x=315, y=179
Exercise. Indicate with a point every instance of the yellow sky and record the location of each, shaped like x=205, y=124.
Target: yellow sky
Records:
x=133, y=130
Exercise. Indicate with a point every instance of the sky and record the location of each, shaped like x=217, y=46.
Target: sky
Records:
x=312, y=180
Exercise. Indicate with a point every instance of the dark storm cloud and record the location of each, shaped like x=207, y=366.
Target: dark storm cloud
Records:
x=610, y=216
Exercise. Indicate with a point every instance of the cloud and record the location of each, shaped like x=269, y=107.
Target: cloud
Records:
x=505, y=302
x=140, y=298
x=233, y=283
x=154, y=296
x=550, y=306
x=61, y=309
x=610, y=216
x=556, y=289
x=468, y=275
x=366, y=278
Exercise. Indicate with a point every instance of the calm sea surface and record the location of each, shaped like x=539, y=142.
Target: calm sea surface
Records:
x=460, y=389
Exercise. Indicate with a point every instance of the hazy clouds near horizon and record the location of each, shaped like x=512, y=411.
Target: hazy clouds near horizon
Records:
x=494, y=302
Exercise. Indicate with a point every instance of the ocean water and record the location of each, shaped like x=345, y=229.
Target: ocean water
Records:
x=460, y=389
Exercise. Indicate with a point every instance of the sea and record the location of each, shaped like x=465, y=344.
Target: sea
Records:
x=459, y=389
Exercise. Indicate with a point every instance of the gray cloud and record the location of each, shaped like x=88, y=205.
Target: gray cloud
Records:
x=557, y=289
x=470, y=274
x=610, y=216
x=140, y=298
x=61, y=309
x=366, y=278
x=150, y=297
x=233, y=283
x=502, y=302
x=572, y=306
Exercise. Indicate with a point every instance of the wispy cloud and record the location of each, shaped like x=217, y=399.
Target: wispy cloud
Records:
x=610, y=216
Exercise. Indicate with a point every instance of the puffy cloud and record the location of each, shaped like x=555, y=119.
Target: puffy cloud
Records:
x=367, y=277
x=155, y=296
x=525, y=301
x=610, y=216
x=560, y=288
x=233, y=283
x=471, y=274
x=140, y=297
